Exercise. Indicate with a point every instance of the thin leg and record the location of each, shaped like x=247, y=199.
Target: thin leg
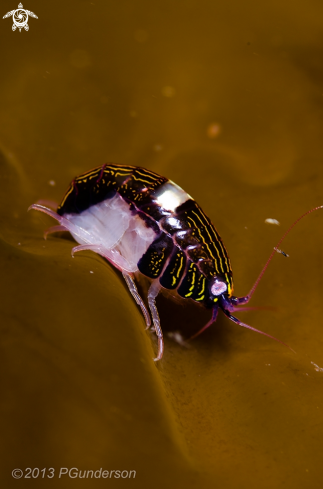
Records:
x=110, y=254
x=95, y=248
x=135, y=294
x=152, y=294
x=49, y=203
x=212, y=320
x=54, y=229
x=75, y=230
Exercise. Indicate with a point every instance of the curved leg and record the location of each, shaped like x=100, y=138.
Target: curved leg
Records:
x=212, y=320
x=75, y=230
x=135, y=294
x=49, y=203
x=95, y=248
x=109, y=254
x=152, y=294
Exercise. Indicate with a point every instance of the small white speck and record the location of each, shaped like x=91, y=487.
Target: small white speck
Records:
x=317, y=368
x=281, y=251
x=267, y=364
x=91, y=271
x=52, y=183
x=19, y=244
x=176, y=336
x=272, y=221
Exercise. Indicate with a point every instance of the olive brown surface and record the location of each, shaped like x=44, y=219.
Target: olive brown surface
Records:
x=225, y=99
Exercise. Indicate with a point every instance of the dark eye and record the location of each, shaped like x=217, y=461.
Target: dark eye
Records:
x=218, y=287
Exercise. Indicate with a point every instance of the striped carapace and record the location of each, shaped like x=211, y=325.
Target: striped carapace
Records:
x=144, y=223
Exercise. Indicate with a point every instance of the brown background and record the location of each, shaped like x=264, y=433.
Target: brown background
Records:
x=225, y=98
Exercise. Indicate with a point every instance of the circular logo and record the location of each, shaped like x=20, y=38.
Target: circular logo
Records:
x=20, y=18
x=17, y=473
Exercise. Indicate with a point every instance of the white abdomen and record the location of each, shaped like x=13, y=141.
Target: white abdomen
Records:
x=111, y=226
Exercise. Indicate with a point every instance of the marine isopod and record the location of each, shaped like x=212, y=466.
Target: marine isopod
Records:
x=144, y=223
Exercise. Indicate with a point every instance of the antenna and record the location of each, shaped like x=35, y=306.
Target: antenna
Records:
x=276, y=250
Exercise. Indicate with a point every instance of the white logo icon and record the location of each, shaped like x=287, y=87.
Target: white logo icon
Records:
x=20, y=18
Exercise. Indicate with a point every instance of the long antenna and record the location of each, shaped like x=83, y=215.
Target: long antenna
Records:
x=275, y=250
